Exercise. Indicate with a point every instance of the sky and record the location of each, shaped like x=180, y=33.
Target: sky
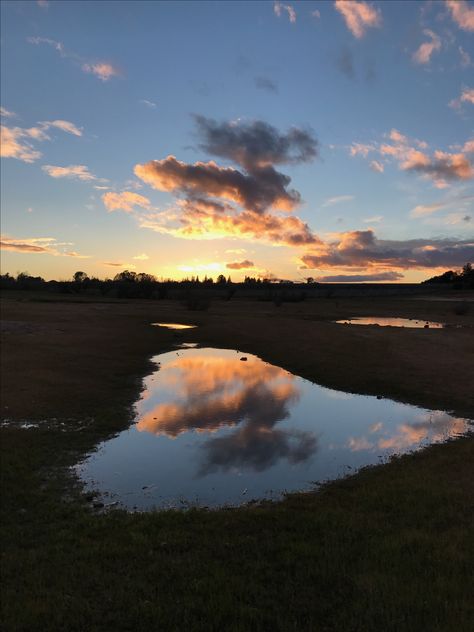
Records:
x=331, y=140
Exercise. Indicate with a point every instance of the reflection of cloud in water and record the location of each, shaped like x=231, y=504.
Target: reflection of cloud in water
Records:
x=258, y=447
x=435, y=426
x=216, y=392
x=358, y=444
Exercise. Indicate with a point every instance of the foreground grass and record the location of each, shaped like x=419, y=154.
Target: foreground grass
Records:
x=391, y=548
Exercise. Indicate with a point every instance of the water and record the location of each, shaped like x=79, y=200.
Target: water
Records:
x=212, y=429
x=173, y=325
x=392, y=322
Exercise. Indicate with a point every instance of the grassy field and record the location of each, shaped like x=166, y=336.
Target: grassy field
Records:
x=391, y=548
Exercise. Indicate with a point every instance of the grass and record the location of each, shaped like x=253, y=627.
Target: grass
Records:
x=391, y=548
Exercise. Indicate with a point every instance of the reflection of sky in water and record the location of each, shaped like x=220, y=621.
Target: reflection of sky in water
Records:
x=173, y=325
x=391, y=322
x=213, y=429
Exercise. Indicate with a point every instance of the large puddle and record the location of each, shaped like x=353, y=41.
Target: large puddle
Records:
x=392, y=322
x=216, y=427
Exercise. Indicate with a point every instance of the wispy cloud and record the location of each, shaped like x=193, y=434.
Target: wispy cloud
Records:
x=264, y=83
x=466, y=96
x=361, y=149
x=279, y=8
x=142, y=257
x=337, y=200
x=345, y=62
x=377, y=166
x=462, y=13
x=44, y=4
x=103, y=70
x=75, y=172
x=119, y=264
x=16, y=142
x=440, y=166
x=4, y=113
x=423, y=54
x=65, y=126
x=38, y=245
x=375, y=219
x=466, y=61
x=150, y=104
x=358, y=16
x=457, y=206
x=124, y=201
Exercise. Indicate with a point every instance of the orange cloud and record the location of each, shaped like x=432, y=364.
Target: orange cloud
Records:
x=423, y=54
x=435, y=427
x=240, y=265
x=257, y=191
x=207, y=220
x=13, y=145
x=124, y=201
x=38, y=245
x=79, y=172
x=466, y=96
x=101, y=69
x=358, y=16
x=441, y=167
x=16, y=142
x=462, y=14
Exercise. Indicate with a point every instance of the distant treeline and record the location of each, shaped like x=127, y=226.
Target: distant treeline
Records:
x=129, y=284
x=459, y=280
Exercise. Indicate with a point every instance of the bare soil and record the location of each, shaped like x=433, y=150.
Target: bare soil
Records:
x=65, y=358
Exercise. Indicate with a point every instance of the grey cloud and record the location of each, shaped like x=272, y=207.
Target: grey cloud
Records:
x=256, y=144
x=345, y=63
x=264, y=83
x=362, y=248
x=361, y=278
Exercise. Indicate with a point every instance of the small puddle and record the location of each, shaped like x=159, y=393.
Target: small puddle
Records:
x=392, y=322
x=211, y=430
x=173, y=325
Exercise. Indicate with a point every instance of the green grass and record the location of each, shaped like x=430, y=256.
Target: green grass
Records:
x=391, y=548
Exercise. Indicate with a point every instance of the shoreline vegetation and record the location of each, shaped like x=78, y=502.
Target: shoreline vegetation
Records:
x=390, y=548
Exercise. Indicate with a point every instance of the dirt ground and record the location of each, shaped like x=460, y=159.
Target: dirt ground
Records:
x=66, y=358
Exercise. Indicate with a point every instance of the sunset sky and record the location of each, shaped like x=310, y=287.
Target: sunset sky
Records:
x=323, y=139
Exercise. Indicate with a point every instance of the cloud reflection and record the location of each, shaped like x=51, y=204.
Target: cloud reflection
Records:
x=433, y=427
x=219, y=393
